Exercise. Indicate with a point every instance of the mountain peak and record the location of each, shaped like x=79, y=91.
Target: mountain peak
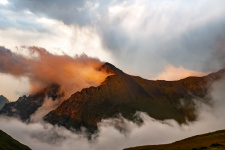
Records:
x=3, y=101
x=2, y=97
x=53, y=90
x=125, y=94
x=25, y=106
x=109, y=68
x=216, y=75
x=221, y=71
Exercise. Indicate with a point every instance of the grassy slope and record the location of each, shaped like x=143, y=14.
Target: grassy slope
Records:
x=209, y=141
x=8, y=143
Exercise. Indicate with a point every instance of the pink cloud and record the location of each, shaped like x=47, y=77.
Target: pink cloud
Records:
x=175, y=73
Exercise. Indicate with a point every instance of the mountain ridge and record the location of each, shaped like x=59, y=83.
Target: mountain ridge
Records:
x=213, y=140
x=3, y=101
x=120, y=93
x=8, y=143
x=126, y=94
x=25, y=106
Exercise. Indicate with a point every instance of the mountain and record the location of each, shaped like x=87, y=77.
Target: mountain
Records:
x=8, y=143
x=120, y=93
x=27, y=105
x=126, y=94
x=3, y=101
x=209, y=141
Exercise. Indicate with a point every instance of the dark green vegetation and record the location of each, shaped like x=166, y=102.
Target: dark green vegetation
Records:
x=3, y=101
x=8, y=143
x=125, y=94
x=209, y=141
x=26, y=106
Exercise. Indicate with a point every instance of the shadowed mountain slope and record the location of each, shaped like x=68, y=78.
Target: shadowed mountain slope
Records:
x=126, y=94
x=209, y=141
x=8, y=143
x=27, y=105
x=3, y=101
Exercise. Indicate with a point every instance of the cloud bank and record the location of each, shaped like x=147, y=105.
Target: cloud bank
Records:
x=172, y=73
x=43, y=68
x=13, y=87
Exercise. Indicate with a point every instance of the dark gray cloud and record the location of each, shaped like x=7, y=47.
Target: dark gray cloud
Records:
x=80, y=12
x=217, y=55
x=166, y=35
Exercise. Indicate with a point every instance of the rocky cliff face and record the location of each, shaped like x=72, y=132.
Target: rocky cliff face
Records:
x=27, y=105
x=3, y=101
x=126, y=94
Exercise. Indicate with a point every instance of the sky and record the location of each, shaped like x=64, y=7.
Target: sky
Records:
x=152, y=39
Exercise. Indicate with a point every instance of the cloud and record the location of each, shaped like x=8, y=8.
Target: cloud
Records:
x=161, y=33
x=48, y=105
x=172, y=73
x=51, y=34
x=152, y=34
x=13, y=87
x=217, y=54
x=4, y=2
x=71, y=12
x=40, y=135
x=43, y=68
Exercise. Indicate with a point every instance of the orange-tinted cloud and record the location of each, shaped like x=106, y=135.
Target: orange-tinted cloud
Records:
x=172, y=73
x=72, y=73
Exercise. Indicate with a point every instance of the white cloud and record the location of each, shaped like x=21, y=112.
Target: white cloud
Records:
x=4, y=2
x=172, y=73
x=115, y=9
x=48, y=105
x=12, y=88
x=57, y=38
